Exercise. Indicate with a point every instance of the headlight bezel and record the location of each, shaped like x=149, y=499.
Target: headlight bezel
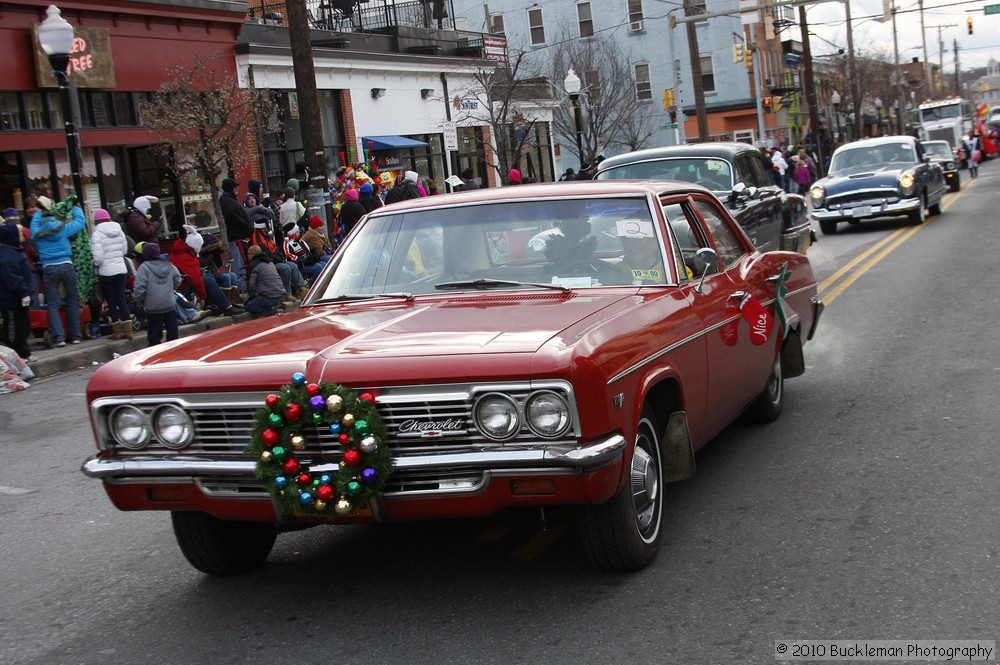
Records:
x=566, y=415
x=907, y=182
x=157, y=427
x=501, y=398
x=817, y=194
x=115, y=428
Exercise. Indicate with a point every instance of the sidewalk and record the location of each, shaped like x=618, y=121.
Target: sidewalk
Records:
x=93, y=352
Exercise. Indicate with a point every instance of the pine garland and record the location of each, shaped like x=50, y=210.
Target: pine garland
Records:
x=279, y=436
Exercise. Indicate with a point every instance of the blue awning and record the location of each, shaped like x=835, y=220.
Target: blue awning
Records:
x=390, y=142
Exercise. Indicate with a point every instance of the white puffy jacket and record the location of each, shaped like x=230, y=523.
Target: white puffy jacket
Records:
x=109, y=247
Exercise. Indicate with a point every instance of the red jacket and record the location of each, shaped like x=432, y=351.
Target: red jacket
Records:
x=187, y=263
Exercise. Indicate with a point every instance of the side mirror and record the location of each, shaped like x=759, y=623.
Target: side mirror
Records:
x=926, y=159
x=708, y=260
x=738, y=190
x=752, y=192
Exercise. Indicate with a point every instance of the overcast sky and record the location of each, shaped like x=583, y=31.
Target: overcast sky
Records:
x=975, y=50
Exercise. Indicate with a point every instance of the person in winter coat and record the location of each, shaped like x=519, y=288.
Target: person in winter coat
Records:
x=973, y=151
x=780, y=167
x=184, y=256
x=405, y=190
x=139, y=222
x=291, y=210
x=15, y=282
x=514, y=177
x=52, y=239
x=109, y=246
x=155, y=283
x=316, y=240
x=238, y=225
x=367, y=198
x=468, y=181
x=264, y=285
x=352, y=210
x=803, y=175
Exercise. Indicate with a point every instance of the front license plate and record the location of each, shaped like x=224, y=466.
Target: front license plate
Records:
x=861, y=211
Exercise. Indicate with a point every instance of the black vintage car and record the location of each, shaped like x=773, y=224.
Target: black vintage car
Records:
x=881, y=177
x=738, y=174
x=942, y=153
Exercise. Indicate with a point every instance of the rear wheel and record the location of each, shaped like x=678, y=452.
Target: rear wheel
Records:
x=222, y=547
x=623, y=534
x=828, y=227
x=767, y=407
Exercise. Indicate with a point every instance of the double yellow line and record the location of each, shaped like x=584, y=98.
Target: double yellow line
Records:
x=876, y=253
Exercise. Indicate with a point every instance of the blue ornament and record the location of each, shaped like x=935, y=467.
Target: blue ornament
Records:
x=299, y=379
x=369, y=475
x=334, y=428
x=317, y=403
x=305, y=498
x=326, y=479
x=280, y=482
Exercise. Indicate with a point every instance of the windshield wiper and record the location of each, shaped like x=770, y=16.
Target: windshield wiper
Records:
x=484, y=284
x=347, y=297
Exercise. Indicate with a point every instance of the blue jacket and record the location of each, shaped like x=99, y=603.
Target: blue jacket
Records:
x=52, y=236
x=15, y=273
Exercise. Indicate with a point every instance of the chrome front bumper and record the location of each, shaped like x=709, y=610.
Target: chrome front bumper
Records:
x=555, y=456
x=883, y=210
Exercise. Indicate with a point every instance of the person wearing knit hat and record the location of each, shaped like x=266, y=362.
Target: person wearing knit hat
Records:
x=405, y=190
x=238, y=226
x=316, y=239
x=52, y=240
x=15, y=291
x=155, y=282
x=139, y=224
x=10, y=215
x=367, y=198
x=291, y=210
x=109, y=246
x=264, y=285
x=352, y=211
x=514, y=177
x=297, y=252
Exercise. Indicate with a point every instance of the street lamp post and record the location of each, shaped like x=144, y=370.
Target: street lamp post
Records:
x=55, y=35
x=835, y=99
x=572, y=86
x=878, y=112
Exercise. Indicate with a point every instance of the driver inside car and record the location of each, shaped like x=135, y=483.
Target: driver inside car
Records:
x=642, y=258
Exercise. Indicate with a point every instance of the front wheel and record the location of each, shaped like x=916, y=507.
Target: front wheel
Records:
x=623, y=534
x=918, y=216
x=828, y=227
x=222, y=547
x=767, y=407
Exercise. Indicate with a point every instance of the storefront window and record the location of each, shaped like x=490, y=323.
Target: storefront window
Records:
x=100, y=104
x=124, y=112
x=10, y=111
x=34, y=110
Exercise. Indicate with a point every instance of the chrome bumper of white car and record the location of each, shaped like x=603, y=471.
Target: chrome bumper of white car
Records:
x=867, y=211
x=556, y=456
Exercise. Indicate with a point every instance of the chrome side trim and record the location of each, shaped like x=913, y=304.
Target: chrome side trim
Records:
x=599, y=453
x=662, y=352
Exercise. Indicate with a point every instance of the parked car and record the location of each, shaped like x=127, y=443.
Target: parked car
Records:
x=880, y=177
x=487, y=375
x=739, y=175
x=941, y=153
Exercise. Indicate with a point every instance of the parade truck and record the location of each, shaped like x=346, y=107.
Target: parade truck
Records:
x=951, y=120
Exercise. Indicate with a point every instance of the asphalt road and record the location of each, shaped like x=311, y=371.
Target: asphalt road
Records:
x=868, y=511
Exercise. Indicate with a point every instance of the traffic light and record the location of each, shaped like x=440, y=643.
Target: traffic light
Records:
x=737, y=52
x=748, y=57
x=767, y=104
x=669, y=99
x=969, y=21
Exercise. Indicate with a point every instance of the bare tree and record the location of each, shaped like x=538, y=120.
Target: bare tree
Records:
x=206, y=123
x=615, y=115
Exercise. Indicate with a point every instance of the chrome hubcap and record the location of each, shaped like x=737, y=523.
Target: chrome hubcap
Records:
x=645, y=488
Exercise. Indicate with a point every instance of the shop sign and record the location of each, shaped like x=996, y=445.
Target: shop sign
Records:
x=387, y=160
x=495, y=48
x=460, y=104
x=91, y=64
x=450, y=135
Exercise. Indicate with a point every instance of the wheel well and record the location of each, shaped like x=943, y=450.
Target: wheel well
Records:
x=676, y=451
x=664, y=398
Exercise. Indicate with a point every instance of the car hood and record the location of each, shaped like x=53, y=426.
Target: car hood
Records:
x=864, y=177
x=427, y=340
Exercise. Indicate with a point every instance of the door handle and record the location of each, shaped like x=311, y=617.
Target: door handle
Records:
x=775, y=278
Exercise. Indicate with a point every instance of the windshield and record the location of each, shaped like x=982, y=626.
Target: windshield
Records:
x=566, y=243
x=875, y=155
x=940, y=148
x=715, y=174
x=941, y=113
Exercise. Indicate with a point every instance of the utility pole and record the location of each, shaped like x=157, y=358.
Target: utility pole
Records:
x=853, y=73
x=958, y=71
x=696, y=82
x=810, y=86
x=309, y=115
x=900, y=99
x=939, y=28
x=927, y=65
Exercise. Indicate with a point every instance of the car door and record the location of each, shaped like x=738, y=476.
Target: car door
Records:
x=771, y=201
x=761, y=218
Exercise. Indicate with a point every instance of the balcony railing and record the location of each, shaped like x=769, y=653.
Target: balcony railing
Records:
x=363, y=16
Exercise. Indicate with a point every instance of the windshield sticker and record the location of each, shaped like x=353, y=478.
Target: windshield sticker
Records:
x=635, y=228
x=715, y=165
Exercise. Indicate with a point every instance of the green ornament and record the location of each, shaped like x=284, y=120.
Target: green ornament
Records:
x=275, y=420
x=362, y=427
x=317, y=418
x=279, y=453
x=354, y=488
x=315, y=482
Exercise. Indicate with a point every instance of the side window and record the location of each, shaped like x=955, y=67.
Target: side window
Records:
x=688, y=240
x=727, y=242
x=745, y=172
x=763, y=169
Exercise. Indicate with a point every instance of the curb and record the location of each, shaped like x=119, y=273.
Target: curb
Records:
x=90, y=353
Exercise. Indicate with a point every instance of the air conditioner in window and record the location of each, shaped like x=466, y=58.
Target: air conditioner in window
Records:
x=771, y=82
x=636, y=26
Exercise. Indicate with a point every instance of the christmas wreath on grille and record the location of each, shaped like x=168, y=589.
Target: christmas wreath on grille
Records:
x=279, y=434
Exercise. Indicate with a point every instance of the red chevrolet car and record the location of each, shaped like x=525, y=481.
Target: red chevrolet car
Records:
x=542, y=345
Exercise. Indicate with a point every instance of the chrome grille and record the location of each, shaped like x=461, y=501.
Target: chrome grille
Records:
x=854, y=199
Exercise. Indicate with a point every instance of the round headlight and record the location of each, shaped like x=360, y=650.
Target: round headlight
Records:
x=496, y=416
x=906, y=180
x=817, y=193
x=951, y=166
x=547, y=414
x=173, y=427
x=130, y=427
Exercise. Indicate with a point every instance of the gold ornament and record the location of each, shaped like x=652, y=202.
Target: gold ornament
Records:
x=343, y=507
x=348, y=420
x=265, y=456
x=334, y=403
x=319, y=504
x=343, y=465
x=298, y=441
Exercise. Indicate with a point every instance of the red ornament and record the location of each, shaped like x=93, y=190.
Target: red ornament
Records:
x=344, y=439
x=352, y=457
x=324, y=492
x=312, y=389
x=291, y=465
x=304, y=479
x=366, y=397
x=271, y=401
x=293, y=411
x=270, y=437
